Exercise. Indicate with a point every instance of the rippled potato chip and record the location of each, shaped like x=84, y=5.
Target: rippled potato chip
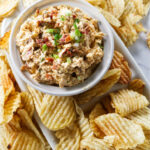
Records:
x=11, y=105
x=28, y=3
x=137, y=85
x=69, y=138
x=106, y=102
x=139, y=28
x=144, y=146
x=97, y=111
x=110, y=18
x=55, y=112
x=127, y=134
x=28, y=103
x=116, y=7
x=4, y=41
x=7, y=8
x=139, y=6
x=119, y=61
x=37, y=97
x=110, y=79
x=127, y=101
x=93, y=143
x=83, y=123
x=148, y=39
x=28, y=123
x=141, y=117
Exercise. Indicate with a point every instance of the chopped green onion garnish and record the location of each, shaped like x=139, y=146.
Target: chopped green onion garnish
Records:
x=78, y=33
x=75, y=26
x=68, y=60
x=42, y=59
x=44, y=47
x=50, y=30
x=63, y=18
x=76, y=20
x=79, y=78
x=57, y=36
x=55, y=56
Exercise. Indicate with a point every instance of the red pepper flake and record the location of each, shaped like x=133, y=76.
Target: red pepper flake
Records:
x=68, y=39
x=37, y=11
x=74, y=16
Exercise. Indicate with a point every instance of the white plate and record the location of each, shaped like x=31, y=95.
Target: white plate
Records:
x=55, y=90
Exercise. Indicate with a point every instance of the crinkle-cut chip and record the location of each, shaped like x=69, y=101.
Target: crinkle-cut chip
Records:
x=127, y=134
x=69, y=138
x=11, y=105
x=7, y=8
x=127, y=101
x=28, y=3
x=93, y=143
x=116, y=7
x=4, y=41
x=57, y=112
x=137, y=85
x=129, y=8
x=139, y=6
x=97, y=111
x=106, y=102
x=119, y=61
x=110, y=18
x=96, y=2
x=37, y=97
x=28, y=103
x=139, y=28
x=148, y=39
x=146, y=8
x=83, y=123
x=131, y=19
x=25, y=140
x=108, y=81
x=141, y=117
x=28, y=123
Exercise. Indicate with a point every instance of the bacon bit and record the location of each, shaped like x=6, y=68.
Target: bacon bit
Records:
x=54, y=13
x=45, y=39
x=49, y=59
x=24, y=68
x=74, y=16
x=48, y=76
x=68, y=39
x=37, y=11
x=49, y=44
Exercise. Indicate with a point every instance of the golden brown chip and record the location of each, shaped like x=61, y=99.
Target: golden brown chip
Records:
x=139, y=6
x=96, y=2
x=127, y=134
x=28, y=103
x=4, y=41
x=119, y=61
x=141, y=117
x=93, y=143
x=106, y=102
x=110, y=18
x=28, y=123
x=83, y=123
x=137, y=85
x=116, y=7
x=7, y=8
x=97, y=111
x=148, y=39
x=139, y=28
x=28, y=3
x=146, y=8
x=110, y=79
x=127, y=101
x=10, y=107
x=37, y=97
x=50, y=107
x=69, y=138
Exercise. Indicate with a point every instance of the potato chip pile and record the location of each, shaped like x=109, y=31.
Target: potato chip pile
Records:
x=120, y=121
x=124, y=16
x=17, y=129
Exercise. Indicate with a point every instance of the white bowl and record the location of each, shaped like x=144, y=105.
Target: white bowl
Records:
x=55, y=90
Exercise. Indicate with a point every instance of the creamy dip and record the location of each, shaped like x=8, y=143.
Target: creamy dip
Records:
x=60, y=45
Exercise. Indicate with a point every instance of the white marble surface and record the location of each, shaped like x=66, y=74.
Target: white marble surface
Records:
x=140, y=50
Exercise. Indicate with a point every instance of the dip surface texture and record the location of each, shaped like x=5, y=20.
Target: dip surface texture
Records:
x=60, y=45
